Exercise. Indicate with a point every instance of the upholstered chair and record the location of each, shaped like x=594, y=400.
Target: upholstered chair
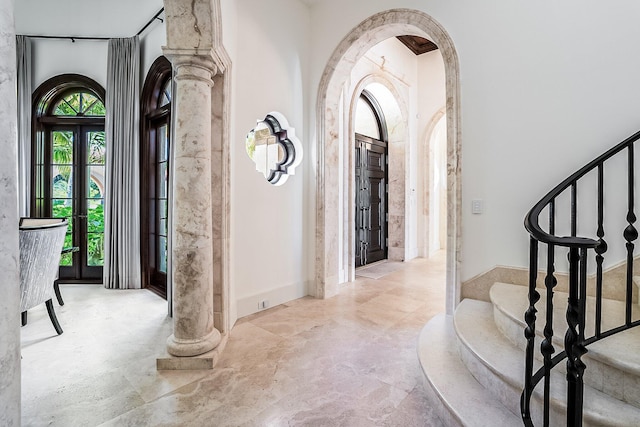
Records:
x=41, y=241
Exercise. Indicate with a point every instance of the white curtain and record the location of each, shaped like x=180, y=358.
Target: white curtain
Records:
x=122, y=200
x=23, y=58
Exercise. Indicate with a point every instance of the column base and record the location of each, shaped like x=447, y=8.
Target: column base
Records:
x=203, y=361
x=193, y=347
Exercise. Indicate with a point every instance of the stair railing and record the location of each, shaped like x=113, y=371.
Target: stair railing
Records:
x=578, y=247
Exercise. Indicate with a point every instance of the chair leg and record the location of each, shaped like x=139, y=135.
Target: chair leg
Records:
x=23, y=316
x=52, y=316
x=56, y=288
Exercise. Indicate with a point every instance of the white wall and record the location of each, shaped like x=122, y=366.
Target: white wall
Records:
x=114, y=18
x=269, y=234
x=537, y=100
x=78, y=18
x=52, y=57
x=55, y=57
x=431, y=102
x=151, y=44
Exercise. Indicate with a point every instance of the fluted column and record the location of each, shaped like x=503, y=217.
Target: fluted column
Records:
x=9, y=255
x=192, y=253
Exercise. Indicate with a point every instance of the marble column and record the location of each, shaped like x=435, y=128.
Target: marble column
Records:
x=192, y=253
x=9, y=254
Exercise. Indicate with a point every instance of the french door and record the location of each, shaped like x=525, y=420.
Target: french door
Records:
x=371, y=200
x=156, y=194
x=154, y=178
x=75, y=179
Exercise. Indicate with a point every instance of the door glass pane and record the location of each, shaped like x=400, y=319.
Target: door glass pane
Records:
x=62, y=164
x=95, y=249
x=95, y=182
x=94, y=200
x=63, y=208
x=62, y=181
x=94, y=197
x=95, y=148
x=95, y=216
x=162, y=253
x=162, y=180
x=366, y=122
x=163, y=143
x=95, y=232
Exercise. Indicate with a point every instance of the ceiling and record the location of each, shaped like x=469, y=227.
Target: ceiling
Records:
x=417, y=44
x=87, y=18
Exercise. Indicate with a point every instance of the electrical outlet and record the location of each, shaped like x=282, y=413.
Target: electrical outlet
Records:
x=263, y=304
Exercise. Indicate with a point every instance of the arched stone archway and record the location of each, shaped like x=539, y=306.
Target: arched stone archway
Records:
x=371, y=31
x=397, y=148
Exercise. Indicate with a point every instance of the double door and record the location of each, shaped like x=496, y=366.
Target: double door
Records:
x=371, y=200
x=75, y=184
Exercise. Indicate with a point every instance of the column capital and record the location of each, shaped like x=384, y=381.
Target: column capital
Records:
x=192, y=64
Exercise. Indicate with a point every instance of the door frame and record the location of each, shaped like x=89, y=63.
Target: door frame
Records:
x=150, y=116
x=381, y=121
x=80, y=271
x=43, y=121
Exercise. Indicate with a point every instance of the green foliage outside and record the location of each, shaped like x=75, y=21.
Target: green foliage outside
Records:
x=80, y=103
x=63, y=146
x=95, y=233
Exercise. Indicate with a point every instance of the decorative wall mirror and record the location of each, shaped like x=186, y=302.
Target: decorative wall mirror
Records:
x=274, y=148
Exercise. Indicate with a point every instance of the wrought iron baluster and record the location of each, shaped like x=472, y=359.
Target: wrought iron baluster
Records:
x=530, y=330
x=600, y=250
x=574, y=208
x=546, y=347
x=630, y=234
x=575, y=342
x=572, y=344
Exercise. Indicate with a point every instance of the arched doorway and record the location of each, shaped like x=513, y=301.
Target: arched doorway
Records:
x=155, y=140
x=68, y=158
x=371, y=177
x=371, y=31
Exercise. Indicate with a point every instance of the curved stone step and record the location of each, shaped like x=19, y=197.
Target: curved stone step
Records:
x=499, y=366
x=613, y=364
x=460, y=400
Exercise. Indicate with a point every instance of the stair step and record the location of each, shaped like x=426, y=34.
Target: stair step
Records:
x=499, y=366
x=460, y=399
x=613, y=364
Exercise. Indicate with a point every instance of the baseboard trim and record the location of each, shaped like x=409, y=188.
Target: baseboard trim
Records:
x=612, y=284
x=250, y=305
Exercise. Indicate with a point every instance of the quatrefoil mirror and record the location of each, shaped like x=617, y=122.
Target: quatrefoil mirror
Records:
x=274, y=148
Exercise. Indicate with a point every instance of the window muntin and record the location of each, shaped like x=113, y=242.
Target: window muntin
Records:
x=79, y=103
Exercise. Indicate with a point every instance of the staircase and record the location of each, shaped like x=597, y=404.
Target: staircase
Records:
x=474, y=364
x=540, y=357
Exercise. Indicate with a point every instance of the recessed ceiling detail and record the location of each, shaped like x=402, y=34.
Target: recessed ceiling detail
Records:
x=417, y=44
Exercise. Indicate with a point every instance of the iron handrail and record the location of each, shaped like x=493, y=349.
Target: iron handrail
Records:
x=575, y=341
x=531, y=219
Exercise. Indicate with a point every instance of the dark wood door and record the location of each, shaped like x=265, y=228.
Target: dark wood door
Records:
x=76, y=180
x=371, y=200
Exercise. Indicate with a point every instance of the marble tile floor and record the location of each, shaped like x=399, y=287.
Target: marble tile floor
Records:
x=346, y=361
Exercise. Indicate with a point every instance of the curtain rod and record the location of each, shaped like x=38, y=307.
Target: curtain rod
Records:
x=74, y=38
